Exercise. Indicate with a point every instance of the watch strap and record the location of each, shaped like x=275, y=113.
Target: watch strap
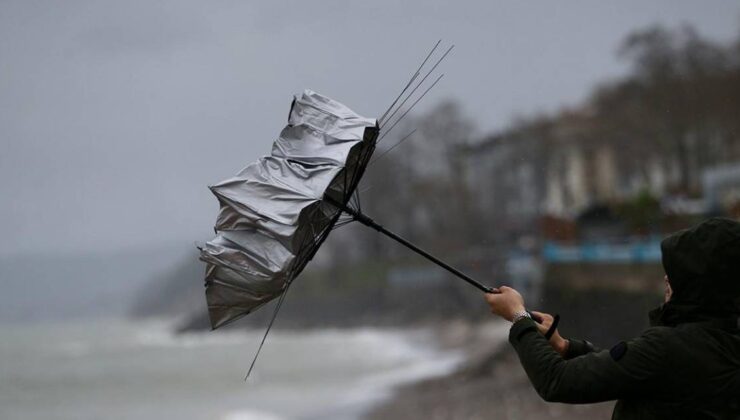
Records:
x=518, y=316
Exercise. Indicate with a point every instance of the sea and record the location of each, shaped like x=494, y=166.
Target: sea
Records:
x=123, y=369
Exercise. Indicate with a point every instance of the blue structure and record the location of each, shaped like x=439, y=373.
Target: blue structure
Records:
x=639, y=251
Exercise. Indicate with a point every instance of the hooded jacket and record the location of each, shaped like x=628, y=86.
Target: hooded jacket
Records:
x=685, y=366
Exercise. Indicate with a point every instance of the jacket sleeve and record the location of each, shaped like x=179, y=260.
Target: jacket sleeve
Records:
x=579, y=348
x=594, y=376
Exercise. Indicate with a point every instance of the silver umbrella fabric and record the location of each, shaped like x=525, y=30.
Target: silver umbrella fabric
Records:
x=276, y=212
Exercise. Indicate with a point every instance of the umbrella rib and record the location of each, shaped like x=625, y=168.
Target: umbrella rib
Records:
x=353, y=200
x=411, y=107
x=344, y=185
x=342, y=223
x=421, y=82
x=381, y=120
x=363, y=160
x=267, y=331
x=369, y=187
x=394, y=146
x=413, y=77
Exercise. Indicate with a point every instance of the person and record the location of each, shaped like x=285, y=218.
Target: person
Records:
x=685, y=366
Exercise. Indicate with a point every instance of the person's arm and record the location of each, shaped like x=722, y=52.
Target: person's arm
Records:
x=629, y=369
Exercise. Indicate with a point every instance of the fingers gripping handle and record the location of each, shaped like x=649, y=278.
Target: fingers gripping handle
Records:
x=554, y=327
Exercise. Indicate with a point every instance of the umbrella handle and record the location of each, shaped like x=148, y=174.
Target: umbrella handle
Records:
x=360, y=217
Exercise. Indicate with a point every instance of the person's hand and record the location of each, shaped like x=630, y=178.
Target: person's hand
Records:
x=544, y=321
x=505, y=303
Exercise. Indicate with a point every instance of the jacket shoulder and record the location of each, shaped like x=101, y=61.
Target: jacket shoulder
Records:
x=659, y=338
x=658, y=333
x=648, y=353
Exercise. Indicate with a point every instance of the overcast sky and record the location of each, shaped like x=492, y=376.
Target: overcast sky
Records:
x=116, y=115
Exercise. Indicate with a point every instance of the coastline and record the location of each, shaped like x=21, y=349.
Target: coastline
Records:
x=307, y=374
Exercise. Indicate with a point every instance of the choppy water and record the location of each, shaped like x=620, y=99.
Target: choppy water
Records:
x=126, y=370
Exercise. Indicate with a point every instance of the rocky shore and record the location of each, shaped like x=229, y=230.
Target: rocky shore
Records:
x=490, y=385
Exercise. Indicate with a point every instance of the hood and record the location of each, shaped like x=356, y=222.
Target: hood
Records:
x=703, y=267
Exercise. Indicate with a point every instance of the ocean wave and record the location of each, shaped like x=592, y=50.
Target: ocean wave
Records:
x=374, y=388
x=315, y=374
x=251, y=415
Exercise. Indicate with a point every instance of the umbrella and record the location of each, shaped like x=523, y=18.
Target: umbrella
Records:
x=276, y=212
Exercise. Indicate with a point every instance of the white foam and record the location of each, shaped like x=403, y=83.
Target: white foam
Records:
x=375, y=388
x=306, y=374
x=77, y=348
x=250, y=415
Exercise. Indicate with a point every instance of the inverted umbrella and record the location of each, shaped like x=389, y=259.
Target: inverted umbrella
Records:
x=276, y=212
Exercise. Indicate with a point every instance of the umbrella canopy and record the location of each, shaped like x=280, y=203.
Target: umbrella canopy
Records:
x=276, y=212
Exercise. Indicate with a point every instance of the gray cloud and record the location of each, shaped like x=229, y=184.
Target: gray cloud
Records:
x=114, y=116
x=151, y=28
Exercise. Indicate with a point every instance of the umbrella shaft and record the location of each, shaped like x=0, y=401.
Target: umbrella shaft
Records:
x=360, y=217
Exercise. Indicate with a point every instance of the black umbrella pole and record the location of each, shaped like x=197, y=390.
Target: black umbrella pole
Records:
x=371, y=223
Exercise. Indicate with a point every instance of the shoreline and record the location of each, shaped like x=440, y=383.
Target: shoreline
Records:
x=329, y=373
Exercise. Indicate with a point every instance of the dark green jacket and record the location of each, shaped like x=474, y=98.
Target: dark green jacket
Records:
x=691, y=371
x=686, y=366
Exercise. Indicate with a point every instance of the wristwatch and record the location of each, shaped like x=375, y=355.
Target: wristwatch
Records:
x=519, y=315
